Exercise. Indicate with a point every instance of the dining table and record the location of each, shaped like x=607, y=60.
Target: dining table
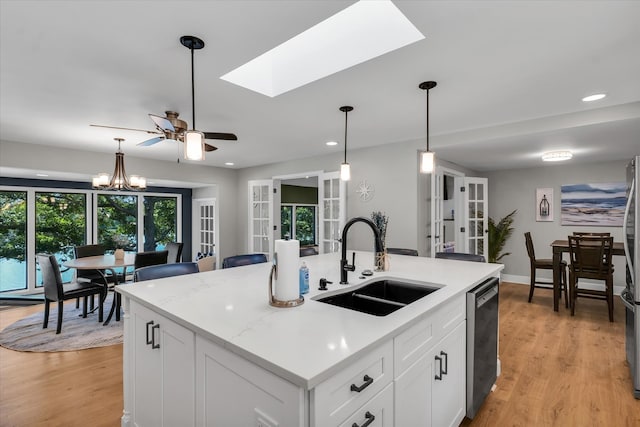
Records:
x=109, y=263
x=560, y=247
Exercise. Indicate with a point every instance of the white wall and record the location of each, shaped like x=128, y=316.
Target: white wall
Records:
x=515, y=189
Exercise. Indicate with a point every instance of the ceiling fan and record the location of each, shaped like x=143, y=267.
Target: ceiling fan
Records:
x=171, y=127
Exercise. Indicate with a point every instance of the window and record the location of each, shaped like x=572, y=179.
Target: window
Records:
x=118, y=214
x=300, y=223
x=160, y=222
x=13, y=243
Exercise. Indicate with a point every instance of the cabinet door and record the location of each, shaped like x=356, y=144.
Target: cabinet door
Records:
x=377, y=412
x=413, y=391
x=449, y=392
x=163, y=370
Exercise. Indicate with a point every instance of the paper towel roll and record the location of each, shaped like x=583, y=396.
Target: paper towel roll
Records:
x=287, y=285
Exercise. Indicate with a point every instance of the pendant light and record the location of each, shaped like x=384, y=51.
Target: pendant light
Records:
x=427, y=159
x=119, y=180
x=345, y=168
x=193, y=139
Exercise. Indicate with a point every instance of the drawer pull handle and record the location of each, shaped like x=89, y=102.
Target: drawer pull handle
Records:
x=369, y=416
x=153, y=336
x=439, y=375
x=367, y=382
x=149, y=340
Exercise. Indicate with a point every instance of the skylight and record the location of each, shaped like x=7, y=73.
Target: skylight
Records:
x=363, y=31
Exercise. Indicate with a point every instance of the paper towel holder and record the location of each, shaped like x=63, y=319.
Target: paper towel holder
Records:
x=272, y=300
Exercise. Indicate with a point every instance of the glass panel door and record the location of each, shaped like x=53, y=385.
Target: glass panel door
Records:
x=204, y=226
x=437, y=222
x=260, y=221
x=332, y=215
x=13, y=243
x=477, y=215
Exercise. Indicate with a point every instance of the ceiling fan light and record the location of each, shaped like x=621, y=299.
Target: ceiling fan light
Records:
x=427, y=161
x=193, y=145
x=345, y=172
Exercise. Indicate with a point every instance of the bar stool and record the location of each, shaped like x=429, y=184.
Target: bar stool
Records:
x=544, y=264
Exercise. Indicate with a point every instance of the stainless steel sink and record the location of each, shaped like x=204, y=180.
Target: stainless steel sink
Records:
x=380, y=297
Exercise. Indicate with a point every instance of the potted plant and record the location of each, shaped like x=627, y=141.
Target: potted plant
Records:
x=499, y=233
x=120, y=240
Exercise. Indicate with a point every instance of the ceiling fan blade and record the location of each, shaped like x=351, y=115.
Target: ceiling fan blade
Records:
x=218, y=135
x=151, y=141
x=163, y=123
x=209, y=147
x=121, y=128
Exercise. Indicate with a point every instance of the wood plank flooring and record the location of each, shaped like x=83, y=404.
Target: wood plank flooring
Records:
x=557, y=370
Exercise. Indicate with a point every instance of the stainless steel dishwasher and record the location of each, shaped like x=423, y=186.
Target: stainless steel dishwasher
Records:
x=482, y=343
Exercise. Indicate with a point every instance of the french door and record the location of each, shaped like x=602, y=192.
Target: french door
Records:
x=477, y=215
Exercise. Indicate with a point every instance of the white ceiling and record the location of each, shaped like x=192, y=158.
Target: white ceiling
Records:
x=511, y=75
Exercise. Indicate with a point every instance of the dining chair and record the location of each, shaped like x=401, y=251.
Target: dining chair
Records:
x=96, y=276
x=402, y=251
x=145, y=259
x=590, y=258
x=175, y=252
x=57, y=291
x=207, y=263
x=308, y=251
x=240, y=260
x=460, y=256
x=583, y=233
x=536, y=264
x=165, y=270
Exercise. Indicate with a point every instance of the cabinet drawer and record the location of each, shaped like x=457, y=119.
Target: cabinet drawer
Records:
x=338, y=397
x=411, y=344
x=377, y=412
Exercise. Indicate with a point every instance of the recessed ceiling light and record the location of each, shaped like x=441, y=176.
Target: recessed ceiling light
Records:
x=229, y=163
x=362, y=31
x=556, y=156
x=41, y=174
x=594, y=97
x=331, y=143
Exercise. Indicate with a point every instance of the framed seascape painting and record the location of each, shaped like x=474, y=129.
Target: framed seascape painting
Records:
x=593, y=204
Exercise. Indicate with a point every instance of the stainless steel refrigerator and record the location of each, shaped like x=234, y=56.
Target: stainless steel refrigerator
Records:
x=631, y=294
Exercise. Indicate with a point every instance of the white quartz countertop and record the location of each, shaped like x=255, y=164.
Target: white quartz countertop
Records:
x=308, y=343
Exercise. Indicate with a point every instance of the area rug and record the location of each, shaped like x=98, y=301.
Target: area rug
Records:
x=77, y=333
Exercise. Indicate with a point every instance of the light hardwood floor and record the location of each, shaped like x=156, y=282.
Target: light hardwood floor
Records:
x=557, y=370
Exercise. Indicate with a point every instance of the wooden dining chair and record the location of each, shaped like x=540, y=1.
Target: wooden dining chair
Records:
x=460, y=256
x=96, y=276
x=145, y=259
x=57, y=291
x=536, y=264
x=590, y=258
x=584, y=233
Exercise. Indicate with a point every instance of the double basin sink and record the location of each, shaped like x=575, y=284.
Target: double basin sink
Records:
x=381, y=297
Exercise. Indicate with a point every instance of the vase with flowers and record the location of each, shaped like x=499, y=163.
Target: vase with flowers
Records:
x=120, y=240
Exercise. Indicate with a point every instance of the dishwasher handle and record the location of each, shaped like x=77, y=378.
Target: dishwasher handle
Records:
x=486, y=296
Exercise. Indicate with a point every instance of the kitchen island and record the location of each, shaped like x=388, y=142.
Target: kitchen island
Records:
x=208, y=349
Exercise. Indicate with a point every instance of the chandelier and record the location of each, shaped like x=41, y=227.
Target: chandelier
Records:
x=119, y=180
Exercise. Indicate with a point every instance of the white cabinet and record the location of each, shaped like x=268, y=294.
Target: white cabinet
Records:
x=161, y=361
x=430, y=369
x=377, y=412
x=231, y=391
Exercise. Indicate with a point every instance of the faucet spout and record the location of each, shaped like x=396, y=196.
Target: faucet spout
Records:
x=344, y=265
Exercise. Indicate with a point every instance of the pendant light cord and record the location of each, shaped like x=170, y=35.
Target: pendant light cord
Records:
x=345, y=135
x=193, y=94
x=427, y=120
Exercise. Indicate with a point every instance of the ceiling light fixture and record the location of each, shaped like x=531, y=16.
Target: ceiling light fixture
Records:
x=331, y=143
x=358, y=33
x=229, y=163
x=594, y=97
x=193, y=139
x=427, y=159
x=556, y=156
x=345, y=168
x=119, y=180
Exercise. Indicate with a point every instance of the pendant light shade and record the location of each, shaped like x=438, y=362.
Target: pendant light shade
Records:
x=427, y=158
x=193, y=145
x=345, y=168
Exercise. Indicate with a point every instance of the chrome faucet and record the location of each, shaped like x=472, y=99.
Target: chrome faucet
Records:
x=378, y=260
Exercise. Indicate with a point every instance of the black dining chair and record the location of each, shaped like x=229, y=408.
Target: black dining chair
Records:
x=240, y=260
x=308, y=251
x=590, y=258
x=57, y=291
x=460, y=256
x=165, y=270
x=96, y=276
x=402, y=251
x=145, y=259
x=536, y=264
x=175, y=252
